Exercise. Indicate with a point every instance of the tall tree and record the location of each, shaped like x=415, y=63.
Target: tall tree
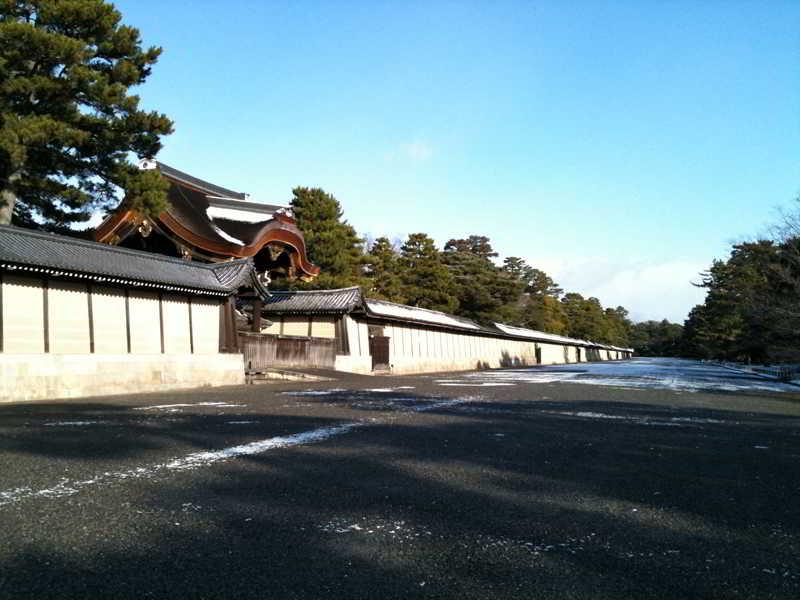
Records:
x=427, y=282
x=752, y=306
x=68, y=122
x=383, y=271
x=585, y=316
x=616, y=327
x=656, y=338
x=538, y=307
x=332, y=243
x=485, y=291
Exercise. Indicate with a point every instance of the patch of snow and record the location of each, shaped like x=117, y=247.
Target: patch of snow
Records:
x=235, y=214
x=196, y=459
x=176, y=406
x=642, y=420
x=328, y=392
x=74, y=423
x=67, y=487
x=240, y=422
x=225, y=236
x=482, y=384
x=390, y=309
x=675, y=375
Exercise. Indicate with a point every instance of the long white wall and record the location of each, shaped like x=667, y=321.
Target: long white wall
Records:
x=417, y=349
x=64, y=339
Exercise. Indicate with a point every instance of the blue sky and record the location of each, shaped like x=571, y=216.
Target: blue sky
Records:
x=620, y=146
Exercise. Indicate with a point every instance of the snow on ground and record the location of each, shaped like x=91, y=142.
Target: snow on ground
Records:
x=445, y=382
x=69, y=487
x=176, y=406
x=641, y=373
x=643, y=419
x=327, y=392
x=74, y=423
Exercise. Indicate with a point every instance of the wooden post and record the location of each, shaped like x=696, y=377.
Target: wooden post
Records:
x=257, y=304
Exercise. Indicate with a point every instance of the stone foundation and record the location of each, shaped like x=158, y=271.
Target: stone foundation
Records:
x=51, y=376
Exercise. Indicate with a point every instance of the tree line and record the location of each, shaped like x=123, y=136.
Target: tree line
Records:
x=751, y=310
x=462, y=278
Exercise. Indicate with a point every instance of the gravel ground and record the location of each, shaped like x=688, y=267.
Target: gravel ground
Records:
x=641, y=479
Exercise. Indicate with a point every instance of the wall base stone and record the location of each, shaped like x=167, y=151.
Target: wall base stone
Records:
x=51, y=376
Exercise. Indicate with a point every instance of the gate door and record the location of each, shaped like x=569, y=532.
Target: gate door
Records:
x=379, y=350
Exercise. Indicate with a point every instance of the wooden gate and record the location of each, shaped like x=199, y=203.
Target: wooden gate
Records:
x=262, y=351
x=379, y=350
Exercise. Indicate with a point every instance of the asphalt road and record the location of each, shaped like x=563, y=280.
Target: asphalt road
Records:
x=642, y=479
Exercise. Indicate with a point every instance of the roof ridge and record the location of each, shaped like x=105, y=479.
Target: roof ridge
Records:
x=90, y=244
x=206, y=186
x=347, y=289
x=430, y=310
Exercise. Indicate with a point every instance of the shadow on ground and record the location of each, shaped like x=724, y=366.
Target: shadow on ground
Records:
x=494, y=499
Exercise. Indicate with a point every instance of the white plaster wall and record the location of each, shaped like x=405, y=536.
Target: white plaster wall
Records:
x=50, y=376
x=23, y=315
x=323, y=327
x=419, y=350
x=295, y=326
x=205, y=326
x=145, y=323
x=273, y=328
x=68, y=318
x=177, y=338
x=108, y=313
x=353, y=364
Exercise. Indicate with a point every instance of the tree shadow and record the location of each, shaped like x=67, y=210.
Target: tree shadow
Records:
x=515, y=501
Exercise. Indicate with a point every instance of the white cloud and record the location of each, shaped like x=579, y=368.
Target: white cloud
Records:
x=647, y=290
x=418, y=150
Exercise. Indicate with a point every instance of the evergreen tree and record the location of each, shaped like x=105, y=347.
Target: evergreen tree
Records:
x=585, y=317
x=546, y=313
x=538, y=307
x=752, y=307
x=486, y=293
x=68, y=123
x=616, y=327
x=383, y=271
x=332, y=243
x=427, y=282
x=656, y=338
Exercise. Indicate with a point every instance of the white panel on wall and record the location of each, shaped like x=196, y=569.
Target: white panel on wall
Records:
x=145, y=323
x=363, y=334
x=23, y=315
x=68, y=318
x=354, y=337
x=271, y=327
x=177, y=338
x=323, y=327
x=108, y=316
x=295, y=326
x=205, y=326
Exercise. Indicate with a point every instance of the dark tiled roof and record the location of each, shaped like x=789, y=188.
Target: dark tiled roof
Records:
x=59, y=255
x=209, y=188
x=314, y=301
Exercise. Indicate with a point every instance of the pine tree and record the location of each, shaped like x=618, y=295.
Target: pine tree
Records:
x=427, y=282
x=68, y=123
x=383, y=271
x=332, y=243
x=538, y=307
x=485, y=292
